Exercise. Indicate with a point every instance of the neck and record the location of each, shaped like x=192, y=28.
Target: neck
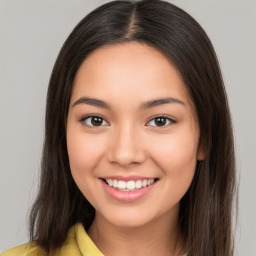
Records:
x=160, y=237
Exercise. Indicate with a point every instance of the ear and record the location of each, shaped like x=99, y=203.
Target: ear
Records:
x=201, y=152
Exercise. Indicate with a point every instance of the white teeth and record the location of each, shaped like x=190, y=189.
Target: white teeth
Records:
x=110, y=182
x=115, y=183
x=138, y=184
x=121, y=184
x=144, y=183
x=130, y=185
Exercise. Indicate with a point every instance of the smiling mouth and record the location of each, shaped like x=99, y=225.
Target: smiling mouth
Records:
x=131, y=185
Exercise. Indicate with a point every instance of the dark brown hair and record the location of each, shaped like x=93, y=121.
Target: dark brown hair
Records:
x=206, y=209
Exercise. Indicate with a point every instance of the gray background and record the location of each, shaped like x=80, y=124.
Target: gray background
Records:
x=31, y=34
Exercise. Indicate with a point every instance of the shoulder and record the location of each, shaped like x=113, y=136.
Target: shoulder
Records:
x=77, y=243
x=29, y=249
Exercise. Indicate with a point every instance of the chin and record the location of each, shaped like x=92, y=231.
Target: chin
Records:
x=128, y=218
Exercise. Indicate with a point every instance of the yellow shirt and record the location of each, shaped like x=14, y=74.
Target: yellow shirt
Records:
x=78, y=243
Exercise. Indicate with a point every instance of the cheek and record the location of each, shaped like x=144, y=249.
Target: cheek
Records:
x=84, y=153
x=176, y=157
x=176, y=154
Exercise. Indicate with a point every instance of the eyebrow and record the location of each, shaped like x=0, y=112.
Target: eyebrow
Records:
x=92, y=102
x=145, y=105
x=157, y=102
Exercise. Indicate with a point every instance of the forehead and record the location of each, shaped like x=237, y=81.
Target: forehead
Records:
x=133, y=70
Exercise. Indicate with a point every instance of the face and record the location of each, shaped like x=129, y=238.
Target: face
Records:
x=132, y=134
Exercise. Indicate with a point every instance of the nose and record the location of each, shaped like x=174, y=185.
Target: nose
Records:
x=125, y=147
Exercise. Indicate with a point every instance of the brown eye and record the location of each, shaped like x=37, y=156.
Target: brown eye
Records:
x=94, y=121
x=160, y=121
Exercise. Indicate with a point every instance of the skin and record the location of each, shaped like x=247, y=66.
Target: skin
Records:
x=130, y=142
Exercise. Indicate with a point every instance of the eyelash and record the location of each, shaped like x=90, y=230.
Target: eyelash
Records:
x=166, y=118
x=170, y=120
x=84, y=118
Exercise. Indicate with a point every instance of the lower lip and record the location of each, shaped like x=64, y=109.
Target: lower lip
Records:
x=127, y=196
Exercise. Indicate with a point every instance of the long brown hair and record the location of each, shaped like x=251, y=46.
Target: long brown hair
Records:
x=206, y=209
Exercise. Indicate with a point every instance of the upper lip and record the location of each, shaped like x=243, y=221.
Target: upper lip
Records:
x=127, y=178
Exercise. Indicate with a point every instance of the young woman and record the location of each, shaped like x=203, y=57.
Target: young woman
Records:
x=138, y=156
